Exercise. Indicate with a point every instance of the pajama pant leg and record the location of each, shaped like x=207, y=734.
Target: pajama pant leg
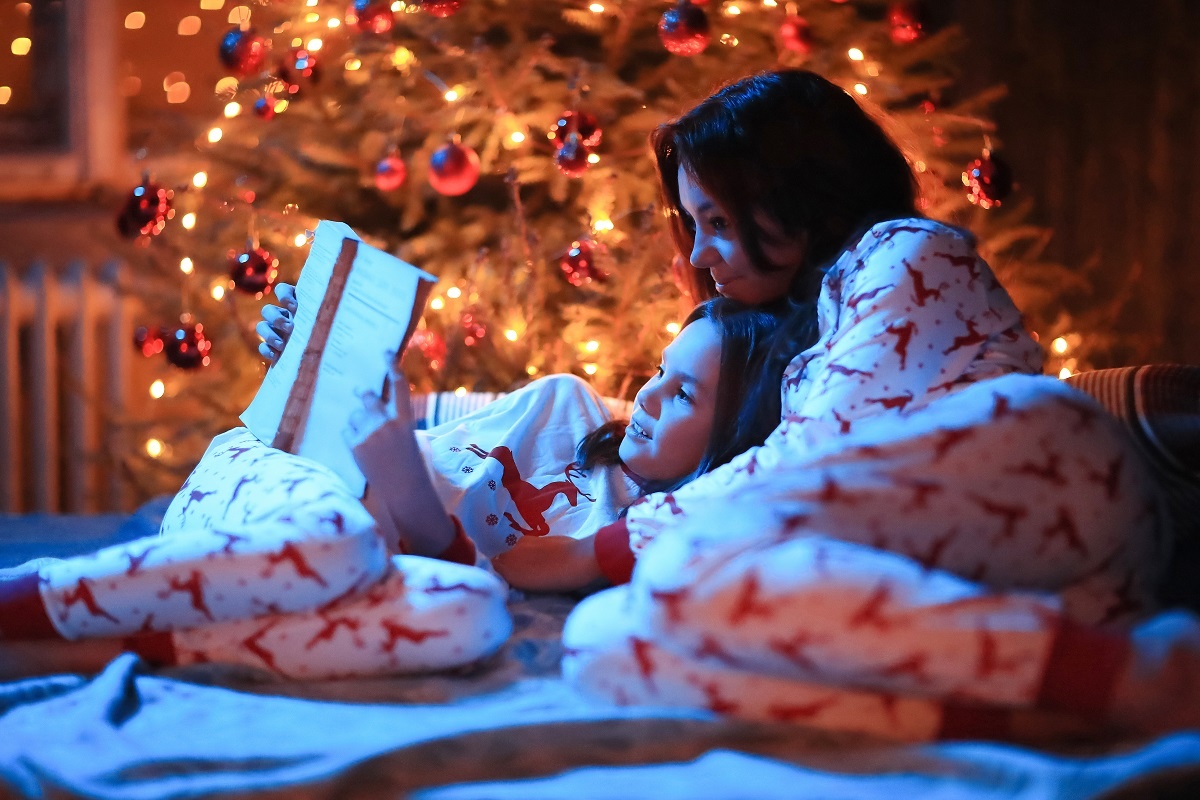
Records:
x=424, y=615
x=823, y=632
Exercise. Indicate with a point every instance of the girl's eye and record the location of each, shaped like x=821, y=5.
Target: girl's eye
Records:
x=718, y=223
x=683, y=395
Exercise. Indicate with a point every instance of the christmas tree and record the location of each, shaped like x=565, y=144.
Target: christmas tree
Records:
x=502, y=146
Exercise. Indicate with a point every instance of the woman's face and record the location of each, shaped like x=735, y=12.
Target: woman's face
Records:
x=718, y=249
x=673, y=413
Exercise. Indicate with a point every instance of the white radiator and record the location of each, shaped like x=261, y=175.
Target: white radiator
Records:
x=65, y=349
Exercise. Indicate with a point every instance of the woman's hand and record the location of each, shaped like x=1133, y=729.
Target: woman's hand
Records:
x=276, y=326
x=549, y=564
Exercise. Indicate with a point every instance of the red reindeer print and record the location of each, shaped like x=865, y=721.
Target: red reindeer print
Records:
x=195, y=496
x=837, y=369
x=899, y=401
x=947, y=438
x=854, y=302
x=795, y=650
x=890, y=232
x=82, y=593
x=329, y=630
x=672, y=602
x=944, y=387
x=668, y=500
x=920, y=292
x=335, y=520
x=1010, y=515
x=193, y=587
x=230, y=539
x=532, y=502
x=147, y=625
x=1064, y=526
x=645, y=664
x=912, y=666
x=990, y=663
x=713, y=699
x=253, y=643
x=1049, y=472
x=749, y=468
x=937, y=547
x=396, y=632
x=974, y=270
x=903, y=334
x=1110, y=479
x=843, y=422
x=747, y=603
x=711, y=648
x=242, y=482
x=832, y=493
x=795, y=713
x=1002, y=409
x=293, y=483
x=969, y=339
x=922, y=490
x=437, y=587
x=871, y=611
x=292, y=554
x=234, y=453
x=1126, y=601
x=135, y=562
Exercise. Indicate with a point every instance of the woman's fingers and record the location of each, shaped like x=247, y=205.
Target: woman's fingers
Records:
x=285, y=293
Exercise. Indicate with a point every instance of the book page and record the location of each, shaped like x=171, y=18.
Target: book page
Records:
x=382, y=299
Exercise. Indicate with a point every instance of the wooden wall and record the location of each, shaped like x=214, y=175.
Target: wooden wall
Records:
x=1102, y=127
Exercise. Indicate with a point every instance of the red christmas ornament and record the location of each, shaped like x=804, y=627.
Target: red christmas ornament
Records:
x=390, y=174
x=472, y=326
x=581, y=122
x=264, y=108
x=243, y=51
x=684, y=29
x=430, y=344
x=988, y=179
x=299, y=71
x=572, y=158
x=253, y=271
x=579, y=264
x=187, y=347
x=908, y=22
x=796, y=34
x=148, y=340
x=146, y=211
x=441, y=8
x=372, y=16
x=453, y=169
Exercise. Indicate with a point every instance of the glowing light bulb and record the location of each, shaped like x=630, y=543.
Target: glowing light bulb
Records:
x=1059, y=345
x=1064, y=373
x=300, y=240
x=437, y=304
x=590, y=369
x=511, y=335
x=186, y=266
x=593, y=158
x=860, y=88
x=673, y=328
x=314, y=44
x=154, y=448
x=596, y=8
x=517, y=137
x=21, y=45
x=214, y=135
x=189, y=220
x=158, y=389
x=353, y=65
x=334, y=22
x=531, y=370
x=460, y=391
x=770, y=4
x=232, y=109
x=134, y=20
x=855, y=54
x=188, y=26
x=592, y=346
x=602, y=225
x=5, y=94
x=200, y=180
x=450, y=95
x=732, y=10
x=454, y=292
x=218, y=291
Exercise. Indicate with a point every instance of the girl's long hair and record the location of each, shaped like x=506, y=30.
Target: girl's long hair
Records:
x=790, y=146
x=737, y=426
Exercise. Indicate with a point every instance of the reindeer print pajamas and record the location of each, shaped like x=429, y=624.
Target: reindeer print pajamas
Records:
x=265, y=559
x=930, y=528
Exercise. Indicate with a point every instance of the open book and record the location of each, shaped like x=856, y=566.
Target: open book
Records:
x=357, y=308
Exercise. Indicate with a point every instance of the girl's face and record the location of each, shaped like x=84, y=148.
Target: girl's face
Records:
x=718, y=249
x=673, y=413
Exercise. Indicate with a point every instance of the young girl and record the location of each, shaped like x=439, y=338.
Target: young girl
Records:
x=296, y=578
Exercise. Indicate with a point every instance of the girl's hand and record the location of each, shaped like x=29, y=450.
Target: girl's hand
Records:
x=549, y=564
x=276, y=326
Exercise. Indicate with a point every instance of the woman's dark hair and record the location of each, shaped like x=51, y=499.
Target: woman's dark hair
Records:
x=745, y=332
x=792, y=147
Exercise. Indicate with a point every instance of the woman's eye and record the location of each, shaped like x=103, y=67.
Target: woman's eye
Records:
x=718, y=223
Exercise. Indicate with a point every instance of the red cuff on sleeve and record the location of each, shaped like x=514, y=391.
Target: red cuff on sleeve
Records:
x=156, y=649
x=1082, y=669
x=613, y=553
x=462, y=549
x=975, y=722
x=22, y=613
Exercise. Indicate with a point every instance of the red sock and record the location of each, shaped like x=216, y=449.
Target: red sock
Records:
x=22, y=613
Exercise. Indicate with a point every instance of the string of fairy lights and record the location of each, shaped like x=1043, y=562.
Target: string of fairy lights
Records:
x=684, y=29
